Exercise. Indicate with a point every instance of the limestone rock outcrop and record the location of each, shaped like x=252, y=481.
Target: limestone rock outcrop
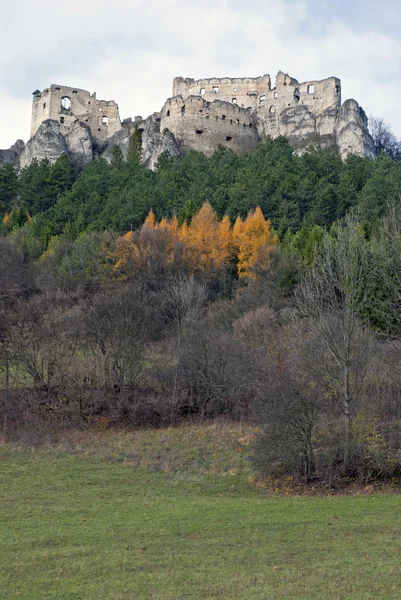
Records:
x=155, y=142
x=79, y=143
x=352, y=132
x=12, y=154
x=47, y=143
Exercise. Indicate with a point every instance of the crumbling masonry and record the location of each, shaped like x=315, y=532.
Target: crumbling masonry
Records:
x=201, y=115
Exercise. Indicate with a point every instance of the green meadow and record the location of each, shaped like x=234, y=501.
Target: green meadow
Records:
x=173, y=514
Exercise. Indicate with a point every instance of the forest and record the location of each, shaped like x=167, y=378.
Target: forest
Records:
x=264, y=288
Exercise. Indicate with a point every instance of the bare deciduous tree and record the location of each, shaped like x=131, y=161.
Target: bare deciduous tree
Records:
x=332, y=297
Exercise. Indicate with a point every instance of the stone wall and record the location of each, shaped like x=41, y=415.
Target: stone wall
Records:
x=204, y=126
x=316, y=95
x=246, y=92
x=66, y=105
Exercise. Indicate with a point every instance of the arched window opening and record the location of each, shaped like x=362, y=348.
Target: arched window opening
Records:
x=66, y=103
x=105, y=120
x=272, y=110
x=168, y=113
x=297, y=94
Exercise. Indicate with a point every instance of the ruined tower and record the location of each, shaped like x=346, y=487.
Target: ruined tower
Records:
x=67, y=105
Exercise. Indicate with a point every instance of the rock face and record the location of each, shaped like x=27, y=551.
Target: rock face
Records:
x=12, y=154
x=352, y=132
x=80, y=144
x=155, y=142
x=47, y=143
x=120, y=140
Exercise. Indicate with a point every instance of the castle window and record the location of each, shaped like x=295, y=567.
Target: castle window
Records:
x=58, y=89
x=228, y=138
x=201, y=111
x=105, y=120
x=44, y=105
x=311, y=89
x=61, y=119
x=235, y=90
x=183, y=110
x=199, y=131
x=223, y=117
x=75, y=92
x=66, y=103
x=215, y=89
x=297, y=94
x=250, y=124
x=237, y=121
x=168, y=113
x=202, y=91
x=231, y=121
x=262, y=99
x=99, y=129
x=275, y=94
x=338, y=89
x=89, y=102
x=272, y=110
x=234, y=100
x=207, y=116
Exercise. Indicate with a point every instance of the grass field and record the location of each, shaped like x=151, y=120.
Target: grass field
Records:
x=170, y=514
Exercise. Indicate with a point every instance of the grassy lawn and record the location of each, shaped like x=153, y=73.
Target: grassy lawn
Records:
x=170, y=514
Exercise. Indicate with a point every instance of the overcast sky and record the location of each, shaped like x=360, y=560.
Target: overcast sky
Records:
x=130, y=50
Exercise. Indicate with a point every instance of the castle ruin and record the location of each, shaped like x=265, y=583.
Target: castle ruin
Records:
x=200, y=115
x=66, y=105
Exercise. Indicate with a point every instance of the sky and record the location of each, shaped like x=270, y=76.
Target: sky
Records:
x=130, y=50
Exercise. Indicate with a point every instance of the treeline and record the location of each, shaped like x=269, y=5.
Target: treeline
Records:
x=292, y=191
x=154, y=331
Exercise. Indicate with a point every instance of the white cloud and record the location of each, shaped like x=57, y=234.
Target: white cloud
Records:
x=130, y=51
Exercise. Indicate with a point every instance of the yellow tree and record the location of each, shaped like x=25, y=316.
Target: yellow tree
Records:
x=253, y=240
x=209, y=249
x=226, y=235
x=150, y=220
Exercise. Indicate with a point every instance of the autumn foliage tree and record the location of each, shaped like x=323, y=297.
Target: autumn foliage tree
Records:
x=204, y=245
x=252, y=242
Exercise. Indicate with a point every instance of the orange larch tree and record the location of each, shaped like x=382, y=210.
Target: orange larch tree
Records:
x=253, y=240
